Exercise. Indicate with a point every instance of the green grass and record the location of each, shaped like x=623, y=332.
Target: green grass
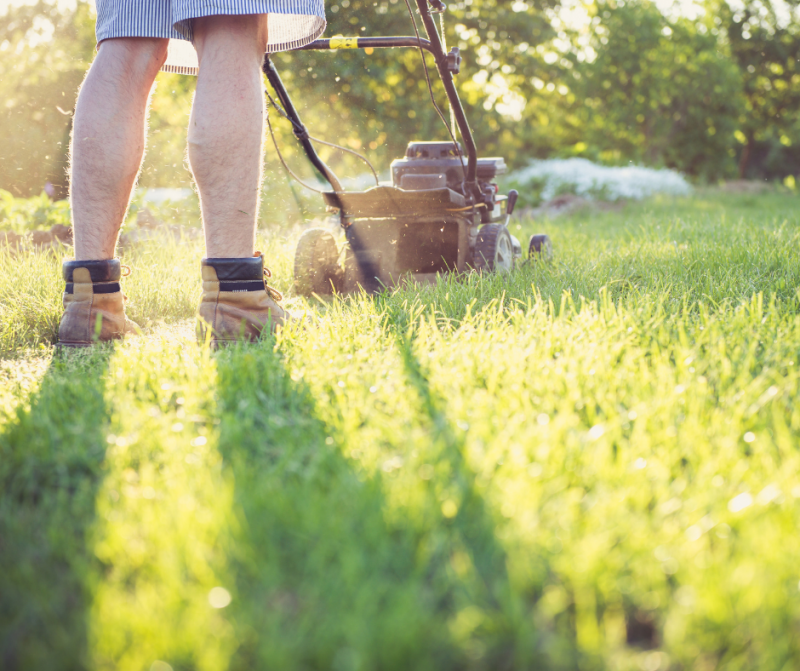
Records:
x=24, y=215
x=588, y=465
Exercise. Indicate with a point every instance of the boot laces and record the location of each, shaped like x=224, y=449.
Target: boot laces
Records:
x=126, y=270
x=273, y=293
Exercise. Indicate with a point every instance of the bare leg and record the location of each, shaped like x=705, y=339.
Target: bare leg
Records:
x=108, y=140
x=226, y=130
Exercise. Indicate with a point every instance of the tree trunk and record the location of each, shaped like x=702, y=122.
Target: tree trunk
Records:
x=745, y=159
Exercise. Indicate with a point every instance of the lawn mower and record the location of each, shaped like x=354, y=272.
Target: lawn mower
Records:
x=441, y=212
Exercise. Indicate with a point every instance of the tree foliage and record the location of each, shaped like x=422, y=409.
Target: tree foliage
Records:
x=708, y=97
x=657, y=91
x=764, y=41
x=44, y=53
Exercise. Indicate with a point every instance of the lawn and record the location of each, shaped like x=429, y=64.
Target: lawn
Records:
x=593, y=464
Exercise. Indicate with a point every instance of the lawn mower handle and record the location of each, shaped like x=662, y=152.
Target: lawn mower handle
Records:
x=433, y=45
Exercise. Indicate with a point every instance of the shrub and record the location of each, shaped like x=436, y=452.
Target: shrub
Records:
x=22, y=215
x=543, y=180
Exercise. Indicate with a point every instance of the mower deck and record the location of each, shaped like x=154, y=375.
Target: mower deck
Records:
x=389, y=201
x=384, y=252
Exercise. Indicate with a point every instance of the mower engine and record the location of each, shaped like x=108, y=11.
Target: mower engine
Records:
x=433, y=165
x=420, y=226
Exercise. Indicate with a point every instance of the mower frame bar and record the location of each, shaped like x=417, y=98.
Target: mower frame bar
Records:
x=367, y=43
x=300, y=131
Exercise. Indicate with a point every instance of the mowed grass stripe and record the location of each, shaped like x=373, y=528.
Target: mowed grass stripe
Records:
x=326, y=578
x=52, y=454
x=165, y=514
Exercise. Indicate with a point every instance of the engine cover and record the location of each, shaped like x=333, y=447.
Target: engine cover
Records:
x=440, y=158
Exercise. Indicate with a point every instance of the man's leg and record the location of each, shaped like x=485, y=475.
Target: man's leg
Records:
x=107, y=149
x=108, y=140
x=226, y=133
x=226, y=130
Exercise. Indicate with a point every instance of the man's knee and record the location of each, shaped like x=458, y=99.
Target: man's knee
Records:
x=136, y=59
x=245, y=31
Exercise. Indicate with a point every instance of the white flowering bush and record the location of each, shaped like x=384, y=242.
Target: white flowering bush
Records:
x=544, y=180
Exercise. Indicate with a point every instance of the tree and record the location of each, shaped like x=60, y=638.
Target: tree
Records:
x=45, y=53
x=651, y=90
x=764, y=41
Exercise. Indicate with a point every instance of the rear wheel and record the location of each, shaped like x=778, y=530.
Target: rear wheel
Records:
x=316, y=264
x=494, y=250
x=540, y=248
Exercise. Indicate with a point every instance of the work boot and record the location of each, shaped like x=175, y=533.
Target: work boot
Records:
x=94, y=307
x=237, y=303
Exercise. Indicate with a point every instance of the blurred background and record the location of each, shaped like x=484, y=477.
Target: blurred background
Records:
x=710, y=89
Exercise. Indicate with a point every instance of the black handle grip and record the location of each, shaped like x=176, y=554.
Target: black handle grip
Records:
x=512, y=201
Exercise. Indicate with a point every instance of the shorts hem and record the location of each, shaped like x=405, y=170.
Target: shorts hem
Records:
x=317, y=25
x=114, y=34
x=318, y=28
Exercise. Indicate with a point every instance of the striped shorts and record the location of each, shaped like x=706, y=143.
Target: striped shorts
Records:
x=292, y=23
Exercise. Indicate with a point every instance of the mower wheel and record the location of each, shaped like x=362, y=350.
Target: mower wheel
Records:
x=316, y=264
x=540, y=248
x=494, y=250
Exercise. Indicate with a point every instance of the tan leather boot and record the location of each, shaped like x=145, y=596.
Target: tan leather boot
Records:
x=237, y=303
x=94, y=307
